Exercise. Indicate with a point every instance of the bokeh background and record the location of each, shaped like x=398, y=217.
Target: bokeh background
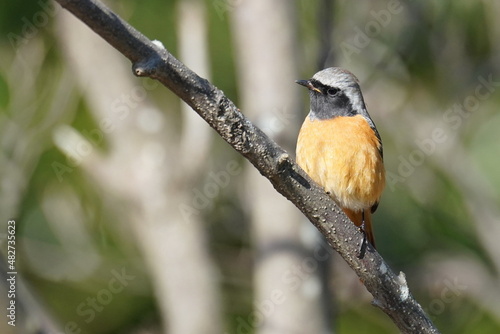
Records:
x=133, y=216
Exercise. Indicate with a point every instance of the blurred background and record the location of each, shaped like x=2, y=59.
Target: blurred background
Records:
x=133, y=216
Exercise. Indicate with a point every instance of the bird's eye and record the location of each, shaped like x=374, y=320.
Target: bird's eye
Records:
x=332, y=91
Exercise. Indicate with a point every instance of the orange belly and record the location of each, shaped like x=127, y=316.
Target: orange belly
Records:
x=342, y=155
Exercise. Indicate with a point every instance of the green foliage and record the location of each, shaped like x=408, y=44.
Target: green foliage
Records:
x=428, y=58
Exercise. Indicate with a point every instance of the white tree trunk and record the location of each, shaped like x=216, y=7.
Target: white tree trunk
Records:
x=145, y=169
x=287, y=295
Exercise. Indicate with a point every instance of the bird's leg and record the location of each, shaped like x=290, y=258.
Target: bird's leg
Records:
x=364, y=242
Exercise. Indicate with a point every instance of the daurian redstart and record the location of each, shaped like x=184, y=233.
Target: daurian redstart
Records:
x=339, y=146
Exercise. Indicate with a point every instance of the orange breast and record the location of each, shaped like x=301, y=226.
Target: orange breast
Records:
x=342, y=155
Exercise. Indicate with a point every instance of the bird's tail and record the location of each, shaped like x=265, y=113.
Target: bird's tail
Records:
x=358, y=217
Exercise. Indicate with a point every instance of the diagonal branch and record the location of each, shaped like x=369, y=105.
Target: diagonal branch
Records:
x=390, y=291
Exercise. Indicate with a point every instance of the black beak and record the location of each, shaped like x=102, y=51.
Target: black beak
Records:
x=308, y=84
x=304, y=83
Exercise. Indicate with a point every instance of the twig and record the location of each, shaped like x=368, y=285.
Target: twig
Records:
x=390, y=291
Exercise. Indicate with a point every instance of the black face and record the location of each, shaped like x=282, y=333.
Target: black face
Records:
x=329, y=102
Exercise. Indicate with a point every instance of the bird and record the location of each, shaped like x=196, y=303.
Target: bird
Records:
x=339, y=146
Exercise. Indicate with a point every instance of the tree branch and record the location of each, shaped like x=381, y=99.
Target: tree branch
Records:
x=390, y=291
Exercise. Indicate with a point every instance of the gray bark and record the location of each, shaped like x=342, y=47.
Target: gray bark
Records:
x=390, y=291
